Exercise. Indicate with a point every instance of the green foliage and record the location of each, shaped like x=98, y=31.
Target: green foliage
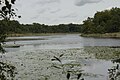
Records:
x=87, y=26
x=107, y=21
x=66, y=68
x=16, y=27
x=6, y=11
x=7, y=71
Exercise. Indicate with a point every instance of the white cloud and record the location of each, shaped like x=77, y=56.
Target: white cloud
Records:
x=60, y=11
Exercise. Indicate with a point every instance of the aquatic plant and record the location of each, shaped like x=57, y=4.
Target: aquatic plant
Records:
x=64, y=67
x=68, y=76
x=114, y=72
x=7, y=71
x=79, y=75
x=116, y=60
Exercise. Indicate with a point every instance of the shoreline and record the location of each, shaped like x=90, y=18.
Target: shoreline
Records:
x=36, y=34
x=14, y=37
x=23, y=39
x=106, y=35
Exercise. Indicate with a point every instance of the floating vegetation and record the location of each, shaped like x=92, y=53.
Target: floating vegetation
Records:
x=68, y=67
x=106, y=53
x=56, y=63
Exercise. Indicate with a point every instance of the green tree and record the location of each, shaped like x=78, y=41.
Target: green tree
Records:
x=106, y=21
x=88, y=26
x=6, y=13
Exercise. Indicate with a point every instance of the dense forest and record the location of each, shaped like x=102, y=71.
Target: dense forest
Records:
x=107, y=21
x=16, y=27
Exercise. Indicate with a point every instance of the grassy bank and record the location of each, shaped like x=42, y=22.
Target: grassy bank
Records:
x=27, y=34
x=36, y=34
x=106, y=35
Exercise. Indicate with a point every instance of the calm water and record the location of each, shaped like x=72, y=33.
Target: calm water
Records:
x=69, y=41
x=63, y=42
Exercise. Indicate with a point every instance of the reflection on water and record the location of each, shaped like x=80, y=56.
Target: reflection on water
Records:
x=64, y=42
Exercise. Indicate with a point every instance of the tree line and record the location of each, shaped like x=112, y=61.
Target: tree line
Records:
x=15, y=27
x=107, y=21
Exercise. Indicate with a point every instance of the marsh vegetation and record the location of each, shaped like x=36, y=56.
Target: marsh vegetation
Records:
x=57, y=55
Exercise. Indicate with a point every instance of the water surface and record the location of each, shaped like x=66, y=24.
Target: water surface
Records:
x=64, y=42
x=35, y=56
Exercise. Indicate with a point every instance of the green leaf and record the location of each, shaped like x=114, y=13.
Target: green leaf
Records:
x=3, y=8
x=57, y=59
x=13, y=1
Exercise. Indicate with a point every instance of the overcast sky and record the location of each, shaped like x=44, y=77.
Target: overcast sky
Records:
x=61, y=11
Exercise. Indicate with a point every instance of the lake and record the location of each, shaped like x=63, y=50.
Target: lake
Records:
x=64, y=42
x=33, y=59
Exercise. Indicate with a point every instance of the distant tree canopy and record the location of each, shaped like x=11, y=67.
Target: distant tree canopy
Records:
x=106, y=21
x=16, y=27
